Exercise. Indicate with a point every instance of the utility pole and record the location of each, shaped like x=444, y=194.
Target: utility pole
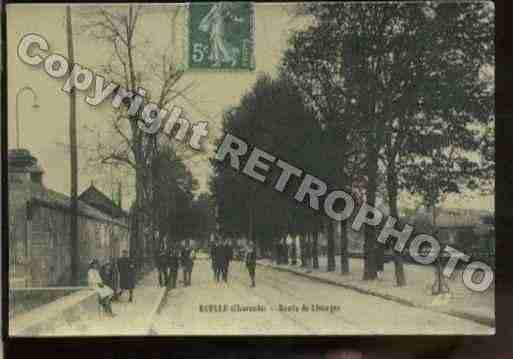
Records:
x=112, y=190
x=75, y=275
x=120, y=200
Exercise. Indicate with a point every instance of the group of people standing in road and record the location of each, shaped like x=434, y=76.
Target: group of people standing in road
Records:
x=177, y=256
x=170, y=260
x=221, y=254
x=112, y=279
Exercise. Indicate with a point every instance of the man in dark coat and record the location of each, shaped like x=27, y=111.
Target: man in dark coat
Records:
x=126, y=267
x=187, y=260
x=162, y=267
x=173, y=264
x=218, y=260
x=251, y=262
x=226, y=258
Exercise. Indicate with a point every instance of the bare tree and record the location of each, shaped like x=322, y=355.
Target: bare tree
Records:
x=134, y=64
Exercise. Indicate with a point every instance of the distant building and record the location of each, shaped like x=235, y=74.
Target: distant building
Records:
x=466, y=229
x=39, y=228
x=469, y=230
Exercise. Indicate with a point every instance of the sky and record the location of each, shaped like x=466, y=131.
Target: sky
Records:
x=44, y=131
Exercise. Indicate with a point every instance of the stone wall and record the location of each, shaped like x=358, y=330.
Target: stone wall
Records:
x=50, y=245
x=40, y=247
x=19, y=195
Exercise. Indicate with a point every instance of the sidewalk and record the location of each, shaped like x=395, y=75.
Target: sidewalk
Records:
x=131, y=318
x=461, y=302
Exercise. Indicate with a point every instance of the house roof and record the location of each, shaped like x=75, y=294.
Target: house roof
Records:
x=97, y=199
x=54, y=199
x=92, y=203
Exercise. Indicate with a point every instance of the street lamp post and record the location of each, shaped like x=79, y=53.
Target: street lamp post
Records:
x=35, y=105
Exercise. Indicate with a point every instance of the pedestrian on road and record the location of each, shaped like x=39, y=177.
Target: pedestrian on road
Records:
x=227, y=257
x=115, y=278
x=173, y=264
x=219, y=260
x=126, y=267
x=251, y=262
x=187, y=259
x=162, y=267
x=105, y=293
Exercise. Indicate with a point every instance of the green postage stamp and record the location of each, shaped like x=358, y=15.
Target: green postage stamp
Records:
x=221, y=35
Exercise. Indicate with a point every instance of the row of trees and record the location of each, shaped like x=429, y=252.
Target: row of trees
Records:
x=399, y=94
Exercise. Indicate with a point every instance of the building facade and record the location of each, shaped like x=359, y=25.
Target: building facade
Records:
x=39, y=228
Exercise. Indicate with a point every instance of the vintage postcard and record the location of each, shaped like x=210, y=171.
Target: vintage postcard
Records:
x=238, y=168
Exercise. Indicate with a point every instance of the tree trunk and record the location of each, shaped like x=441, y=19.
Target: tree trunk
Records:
x=344, y=260
x=331, y=246
x=315, y=250
x=277, y=254
x=308, y=249
x=302, y=249
x=137, y=238
x=369, y=231
x=400, y=277
x=380, y=257
x=285, y=251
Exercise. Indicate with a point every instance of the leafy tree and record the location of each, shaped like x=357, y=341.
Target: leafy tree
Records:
x=317, y=68
x=271, y=116
x=172, y=202
x=440, y=139
x=407, y=79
